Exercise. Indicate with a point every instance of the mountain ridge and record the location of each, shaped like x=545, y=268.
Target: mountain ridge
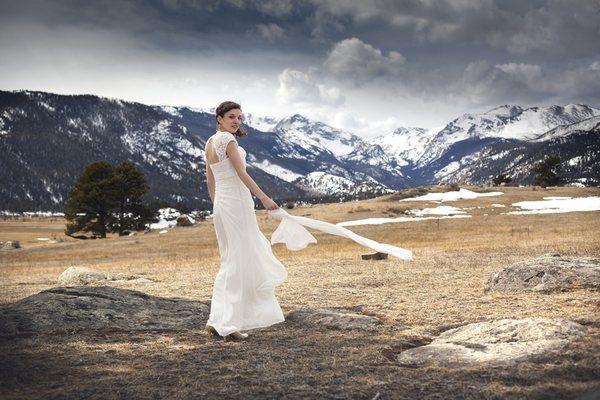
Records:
x=290, y=157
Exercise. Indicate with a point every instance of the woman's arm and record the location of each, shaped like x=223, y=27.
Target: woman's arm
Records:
x=210, y=182
x=240, y=168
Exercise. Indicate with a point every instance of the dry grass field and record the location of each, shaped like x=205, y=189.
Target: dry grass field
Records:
x=443, y=287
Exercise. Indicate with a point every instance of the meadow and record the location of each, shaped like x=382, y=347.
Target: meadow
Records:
x=442, y=287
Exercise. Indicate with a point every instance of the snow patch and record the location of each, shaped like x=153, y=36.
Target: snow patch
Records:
x=440, y=210
x=378, y=221
x=452, y=196
x=552, y=206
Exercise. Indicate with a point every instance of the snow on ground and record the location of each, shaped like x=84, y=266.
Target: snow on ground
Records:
x=498, y=205
x=557, y=198
x=163, y=224
x=441, y=210
x=167, y=218
x=452, y=196
x=560, y=205
x=377, y=221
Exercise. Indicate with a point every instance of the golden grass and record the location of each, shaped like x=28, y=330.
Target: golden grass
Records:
x=442, y=287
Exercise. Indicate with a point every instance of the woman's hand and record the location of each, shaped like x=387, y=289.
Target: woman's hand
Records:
x=269, y=204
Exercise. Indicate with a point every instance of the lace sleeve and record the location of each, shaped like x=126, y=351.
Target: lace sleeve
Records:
x=221, y=145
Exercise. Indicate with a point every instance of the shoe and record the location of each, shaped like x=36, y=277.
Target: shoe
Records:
x=212, y=330
x=236, y=336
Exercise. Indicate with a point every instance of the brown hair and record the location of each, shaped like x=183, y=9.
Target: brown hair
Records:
x=228, y=106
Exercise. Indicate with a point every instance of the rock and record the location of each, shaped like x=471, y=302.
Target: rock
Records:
x=185, y=220
x=499, y=342
x=547, y=274
x=97, y=308
x=11, y=244
x=375, y=256
x=332, y=318
x=81, y=275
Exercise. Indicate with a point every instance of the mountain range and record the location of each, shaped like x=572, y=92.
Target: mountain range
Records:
x=47, y=139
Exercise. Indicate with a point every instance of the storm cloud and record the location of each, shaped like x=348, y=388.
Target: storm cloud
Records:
x=362, y=66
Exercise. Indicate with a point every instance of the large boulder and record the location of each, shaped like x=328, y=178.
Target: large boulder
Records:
x=85, y=276
x=335, y=318
x=499, y=342
x=97, y=308
x=547, y=274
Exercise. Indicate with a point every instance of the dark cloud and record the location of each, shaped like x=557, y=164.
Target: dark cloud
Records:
x=447, y=55
x=554, y=27
x=359, y=62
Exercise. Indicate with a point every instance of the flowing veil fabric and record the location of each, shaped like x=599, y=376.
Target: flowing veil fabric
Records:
x=291, y=231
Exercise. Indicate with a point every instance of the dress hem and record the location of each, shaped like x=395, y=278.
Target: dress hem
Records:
x=249, y=327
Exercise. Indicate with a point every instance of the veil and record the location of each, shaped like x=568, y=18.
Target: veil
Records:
x=292, y=232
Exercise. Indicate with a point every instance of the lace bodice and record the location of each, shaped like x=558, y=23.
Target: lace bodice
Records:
x=220, y=140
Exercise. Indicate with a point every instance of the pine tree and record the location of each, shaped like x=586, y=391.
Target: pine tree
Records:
x=548, y=172
x=92, y=200
x=108, y=199
x=130, y=186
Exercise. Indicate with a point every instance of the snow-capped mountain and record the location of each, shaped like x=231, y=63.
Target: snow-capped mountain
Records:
x=564, y=131
x=405, y=145
x=322, y=183
x=316, y=136
x=465, y=140
x=508, y=122
x=263, y=124
x=577, y=146
x=47, y=139
x=298, y=146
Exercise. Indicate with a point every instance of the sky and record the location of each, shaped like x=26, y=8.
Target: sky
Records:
x=368, y=67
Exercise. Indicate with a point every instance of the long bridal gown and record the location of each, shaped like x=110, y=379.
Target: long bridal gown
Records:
x=243, y=294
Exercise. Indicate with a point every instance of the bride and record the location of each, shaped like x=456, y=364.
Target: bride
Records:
x=243, y=294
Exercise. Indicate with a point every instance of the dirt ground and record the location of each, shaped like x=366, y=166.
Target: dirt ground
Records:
x=442, y=288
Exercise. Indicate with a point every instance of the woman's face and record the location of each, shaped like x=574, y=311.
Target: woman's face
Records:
x=231, y=121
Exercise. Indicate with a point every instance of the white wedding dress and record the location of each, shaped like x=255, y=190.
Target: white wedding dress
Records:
x=243, y=294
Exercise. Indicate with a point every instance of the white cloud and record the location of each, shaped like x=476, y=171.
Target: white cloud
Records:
x=526, y=73
x=484, y=83
x=352, y=59
x=300, y=87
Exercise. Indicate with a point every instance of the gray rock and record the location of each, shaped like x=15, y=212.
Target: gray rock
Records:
x=85, y=276
x=547, y=274
x=97, y=308
x=333, y=318
x=499, y=342
x=185, y=220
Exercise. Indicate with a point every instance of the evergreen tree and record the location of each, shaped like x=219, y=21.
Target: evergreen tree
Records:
x=130, y=186
x=108, y=199
x=501, y=178
x=92, y=200
x=548, y=172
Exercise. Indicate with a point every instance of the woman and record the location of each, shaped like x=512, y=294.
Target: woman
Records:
x=243, y=292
